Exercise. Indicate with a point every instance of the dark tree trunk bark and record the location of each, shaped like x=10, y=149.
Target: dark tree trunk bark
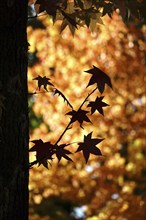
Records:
x=13, y=111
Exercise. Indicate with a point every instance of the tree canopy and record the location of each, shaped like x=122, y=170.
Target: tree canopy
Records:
x=77, y=13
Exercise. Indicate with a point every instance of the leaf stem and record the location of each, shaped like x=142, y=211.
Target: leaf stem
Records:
x=33, y=163
x=87, y=98
x=67, y=127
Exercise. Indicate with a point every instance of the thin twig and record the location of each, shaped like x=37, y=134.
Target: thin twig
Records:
x=33, y=163
x=87, y=98
x=39, y=92
x=36, y=16
x=67, y=127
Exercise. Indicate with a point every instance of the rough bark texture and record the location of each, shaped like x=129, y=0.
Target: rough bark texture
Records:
x=13, y=111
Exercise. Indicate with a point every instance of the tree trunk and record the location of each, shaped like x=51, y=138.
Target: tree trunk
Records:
x=13, y=111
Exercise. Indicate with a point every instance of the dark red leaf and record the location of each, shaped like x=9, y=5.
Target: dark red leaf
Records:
x=79, y=116
x=44, y=151
x=97, y=105
x=50, y=6
x=61, y=152
x=99, y=77
x=43, y=81
x=89, y=146
x=108, y=9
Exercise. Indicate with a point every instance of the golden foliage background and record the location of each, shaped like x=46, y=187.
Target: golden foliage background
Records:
x=109, y=187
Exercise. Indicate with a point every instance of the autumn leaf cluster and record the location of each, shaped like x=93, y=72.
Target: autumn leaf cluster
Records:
x=46, y=150
x=79, y=13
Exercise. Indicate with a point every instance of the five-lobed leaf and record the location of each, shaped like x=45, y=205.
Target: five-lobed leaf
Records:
x=89, y=146
x=43, y=81
x=79, y=116
x=98, y=104
x=50, y=7
x=108, y=9
x=100, y=78
x=70, y=19
x=44, y=151
x=61, y=152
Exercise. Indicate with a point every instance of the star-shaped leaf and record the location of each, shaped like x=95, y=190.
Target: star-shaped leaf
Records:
x=99, y=77
x=61, y=152
x=44, y=151
x=79, y=116
x=107, y=9
x=70, y=19
x=98, y=104
x=49, y=6
x=43, y=81
x=89, y=146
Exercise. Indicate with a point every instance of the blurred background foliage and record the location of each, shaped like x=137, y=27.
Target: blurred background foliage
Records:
x=111, y=187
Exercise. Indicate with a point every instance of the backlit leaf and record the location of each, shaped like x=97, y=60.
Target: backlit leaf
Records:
x=43, y=81
x=44, y=151
x=99, y=77
x=79, y=116
x=98, y=104
x=61, y=152
x=89, y=146
x=63, y=96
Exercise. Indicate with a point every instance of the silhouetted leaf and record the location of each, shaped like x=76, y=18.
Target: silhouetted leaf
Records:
x=61, y=152
x=63, y=25
x=107, y=9
x=89, y=146
x=97, y=105
x=87, y=21
x=69, y=19
x=43, y=81
x=99, y=77
x=79, y=116
x=44, y=151
x=63, y=96
x=49, y=6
